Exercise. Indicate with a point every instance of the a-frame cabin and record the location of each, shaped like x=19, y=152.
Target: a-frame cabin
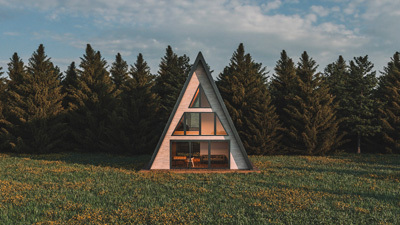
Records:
x=200, y=133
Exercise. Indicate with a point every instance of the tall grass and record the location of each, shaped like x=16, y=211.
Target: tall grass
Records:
x=76, y=188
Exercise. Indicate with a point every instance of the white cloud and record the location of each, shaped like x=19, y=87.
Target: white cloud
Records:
x=349, y=10
x=271, y=5
x=383, y=8
x=381, y=23
x=10, y=33
x=5, y=3
x=311, y=18
x=292, y=1
x=320, y=10
x=217, y=27
x=335, y=9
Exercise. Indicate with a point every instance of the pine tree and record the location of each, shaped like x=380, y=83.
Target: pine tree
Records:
x=14, y=97
x=3, y=85
x=389, y=95
x=95, y=96
x=282, y=84
x=170, y=80
x=3, y=122
x=337, y=75
x=70, y=103
x=119, y=71
x=312, y=125
x=243, y=87
x=142, y=106
x=69, y=85
x=118, y=131
x=359, y=105
x=16, y=73
x=58, y=73
x=35, y=104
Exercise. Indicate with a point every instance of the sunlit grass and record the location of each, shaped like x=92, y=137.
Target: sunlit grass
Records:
x=73, y=188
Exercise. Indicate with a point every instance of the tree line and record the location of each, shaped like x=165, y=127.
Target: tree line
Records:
x=123, y=109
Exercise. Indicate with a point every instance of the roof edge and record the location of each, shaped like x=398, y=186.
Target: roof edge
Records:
x=171, y=116
x=225, y=110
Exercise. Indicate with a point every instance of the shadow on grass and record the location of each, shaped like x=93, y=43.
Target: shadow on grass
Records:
x=367, y=170
x=383, y=160
x=134, y=163
x=342, y=194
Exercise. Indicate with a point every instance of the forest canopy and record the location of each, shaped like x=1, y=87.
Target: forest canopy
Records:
x=121, y=107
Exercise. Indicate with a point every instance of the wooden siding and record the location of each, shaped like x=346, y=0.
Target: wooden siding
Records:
x=162, y=159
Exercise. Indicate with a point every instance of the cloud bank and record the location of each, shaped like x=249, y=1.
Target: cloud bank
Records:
x=349, y=28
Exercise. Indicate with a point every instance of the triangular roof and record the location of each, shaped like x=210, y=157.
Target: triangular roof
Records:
x=200, y=59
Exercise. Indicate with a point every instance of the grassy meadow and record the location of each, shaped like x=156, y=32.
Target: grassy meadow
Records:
x=72, y=188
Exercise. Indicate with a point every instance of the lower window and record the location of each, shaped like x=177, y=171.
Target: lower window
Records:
x=199, y=154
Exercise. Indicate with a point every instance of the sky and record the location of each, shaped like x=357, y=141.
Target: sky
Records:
x=325, y=29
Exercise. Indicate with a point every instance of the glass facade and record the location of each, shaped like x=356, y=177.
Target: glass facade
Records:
x=199, y=154
x=195, y=123
x=219, y=155
x=207, y=123
x=200, y=99
x=192, y=123
x=219, y=128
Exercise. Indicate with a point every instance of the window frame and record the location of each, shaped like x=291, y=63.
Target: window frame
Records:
x=209, y=153
x=185, y=130
x=199, y=89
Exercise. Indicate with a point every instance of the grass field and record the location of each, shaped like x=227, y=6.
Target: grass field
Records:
x=76, y=188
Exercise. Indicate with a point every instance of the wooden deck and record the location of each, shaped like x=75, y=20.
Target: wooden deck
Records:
x=255, y=170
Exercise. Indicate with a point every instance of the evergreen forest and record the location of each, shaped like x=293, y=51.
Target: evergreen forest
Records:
x=122, y=108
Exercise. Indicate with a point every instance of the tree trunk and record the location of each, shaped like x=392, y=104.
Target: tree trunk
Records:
x=358, y=143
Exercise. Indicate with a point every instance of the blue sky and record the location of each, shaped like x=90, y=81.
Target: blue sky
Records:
x=325, y=29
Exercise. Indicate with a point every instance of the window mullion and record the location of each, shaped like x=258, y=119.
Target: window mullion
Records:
x=209, y=154
x=184, y=123
x=199, y=123
x=190, y=149
x=215, y=124
x=199, y=96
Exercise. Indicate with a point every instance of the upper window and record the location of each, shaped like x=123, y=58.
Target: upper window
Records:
x=200, y=123
x=199, y=99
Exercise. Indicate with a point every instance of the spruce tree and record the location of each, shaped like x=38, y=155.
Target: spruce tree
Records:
x=35, y=104
x=389, y=96
x=69, y=85
x=337, y=75
x=3, y=122
x=3, y=85
x=70, y=102
x=170, y=80
x=243, y=87
x=58, y=73
x=95, y=95
x=312, y=121
x=17, y=75
x=119, y=71
x=117, y=133
x=142, y=106
x=14, y=97
x=359, y=106
x=282, y=84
